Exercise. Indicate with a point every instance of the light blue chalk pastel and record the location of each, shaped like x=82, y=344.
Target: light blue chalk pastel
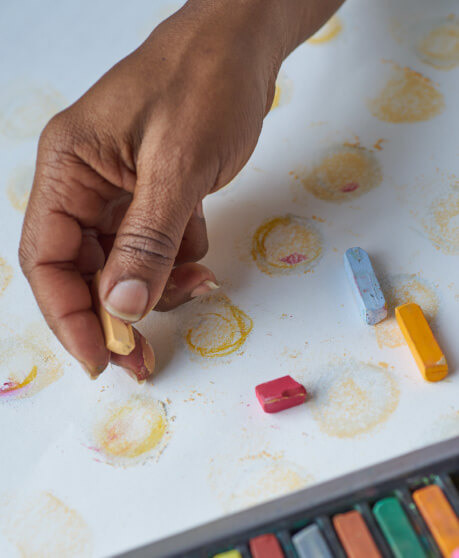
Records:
x=365, y=286
x=310, y=543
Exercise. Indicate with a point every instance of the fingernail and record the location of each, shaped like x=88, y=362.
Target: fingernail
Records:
x=204, y=287
x=148, y=356
x=128, y=300
x=93, y=373
x=135, y=375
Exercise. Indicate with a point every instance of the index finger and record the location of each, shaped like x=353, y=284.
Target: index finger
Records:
x=50, y=243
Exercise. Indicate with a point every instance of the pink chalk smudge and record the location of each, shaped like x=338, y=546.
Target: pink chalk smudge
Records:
x=8, y=386
x=293, y=259
x=349, y=187
x=11, y=390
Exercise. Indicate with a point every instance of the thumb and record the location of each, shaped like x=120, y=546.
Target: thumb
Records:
x=144, y=251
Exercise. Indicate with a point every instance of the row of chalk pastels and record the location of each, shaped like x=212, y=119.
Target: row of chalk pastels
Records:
x=420, y=519
x=372, y=306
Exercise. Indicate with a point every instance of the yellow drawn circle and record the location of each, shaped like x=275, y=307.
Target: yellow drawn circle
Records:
x=439, y=47
x=442, y=223
x=6, y=274
x=41, y=525
x=270, y=482
x=354, y=398
x=26, y=108
x=283, y=91
x=398, y=290
x=26, y=367
x=286, y=244
x=327, y=32
x=262, y=476
x=220, y=331
x=131, y=430
x=277, y=95
x=19, y=186
x=344, y=173
x=407, y=97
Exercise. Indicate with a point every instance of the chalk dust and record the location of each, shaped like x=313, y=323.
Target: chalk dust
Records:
x=41, y=526
x=19, y=186
x=25, y=109
x=6, y=274
x=327, y=32
x=398, y=290
x=407, y=97
x=439, y=45
x=344, y=173
x=353, y=398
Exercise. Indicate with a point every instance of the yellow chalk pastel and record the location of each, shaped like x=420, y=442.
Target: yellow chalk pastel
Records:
x=421, y=341
x=119, y=337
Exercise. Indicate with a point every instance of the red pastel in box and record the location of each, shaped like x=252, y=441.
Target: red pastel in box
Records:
x=265, y=546
x=280, y=394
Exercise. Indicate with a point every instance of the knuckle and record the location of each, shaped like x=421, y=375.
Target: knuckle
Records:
x=54, y=131
x=59, y=136
x=149, y=247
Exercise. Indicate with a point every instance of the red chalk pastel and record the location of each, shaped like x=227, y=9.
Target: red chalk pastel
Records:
x=280, y=394
x=265, y=546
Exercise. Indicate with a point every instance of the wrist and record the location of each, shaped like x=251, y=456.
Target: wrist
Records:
x=272, y=28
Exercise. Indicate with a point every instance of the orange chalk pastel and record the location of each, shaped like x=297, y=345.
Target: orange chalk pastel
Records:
x=355, y=535
x=439, y=516
x=119, y=337
x=421, y=341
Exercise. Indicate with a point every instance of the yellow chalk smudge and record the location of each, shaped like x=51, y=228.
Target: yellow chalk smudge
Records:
x=407, y=97
x=6, y=274
x=439, y=47
x=353, y=398
x=19, y=186
x=327, y=32
x=398, y=290
x=41, y=526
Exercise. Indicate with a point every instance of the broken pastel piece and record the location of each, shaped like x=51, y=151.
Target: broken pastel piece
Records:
x=280, y=394
x=426, y=351
x=119, y=337
x=365, y=286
